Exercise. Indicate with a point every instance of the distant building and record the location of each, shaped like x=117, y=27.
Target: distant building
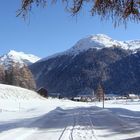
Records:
x=43, y=92
x=84, y=98
x=132, y=96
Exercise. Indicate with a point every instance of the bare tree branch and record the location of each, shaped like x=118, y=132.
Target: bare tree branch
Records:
x=120, y=11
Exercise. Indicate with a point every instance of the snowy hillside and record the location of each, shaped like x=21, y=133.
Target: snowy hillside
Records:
x=12, y=97
x=8, y=92
x=17, y=57
x=97, y=41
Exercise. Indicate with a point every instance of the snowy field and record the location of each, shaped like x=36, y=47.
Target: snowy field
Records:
x=24, y=115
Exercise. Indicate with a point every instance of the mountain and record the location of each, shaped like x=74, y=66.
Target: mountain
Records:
x=79, y=69
x=17, y=57
x=14, y=69
x=124, y=75
x=98, y=41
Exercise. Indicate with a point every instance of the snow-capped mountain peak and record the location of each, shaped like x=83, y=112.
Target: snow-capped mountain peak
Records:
x=98, y=41
x=133, y=44
x=17, y=57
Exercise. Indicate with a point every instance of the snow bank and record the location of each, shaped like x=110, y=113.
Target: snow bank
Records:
x=15, y=98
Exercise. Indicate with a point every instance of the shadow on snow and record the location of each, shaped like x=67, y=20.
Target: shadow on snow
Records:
x=115, y=120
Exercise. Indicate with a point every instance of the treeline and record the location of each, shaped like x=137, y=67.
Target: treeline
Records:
x=18, y=76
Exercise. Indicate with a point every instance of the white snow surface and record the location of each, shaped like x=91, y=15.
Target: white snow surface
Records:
x=58, y=119
x=98, y=41
x=17, y=57
x=17, y=93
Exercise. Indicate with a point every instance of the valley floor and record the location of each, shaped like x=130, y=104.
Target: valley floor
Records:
x=54, y=119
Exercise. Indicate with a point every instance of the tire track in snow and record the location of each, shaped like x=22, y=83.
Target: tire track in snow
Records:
x=61, y=135
x=68, y=131
x=71, y=133
x=83, y=127
x=92, y=126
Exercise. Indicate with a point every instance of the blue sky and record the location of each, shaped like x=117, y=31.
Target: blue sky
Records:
x=52, y=29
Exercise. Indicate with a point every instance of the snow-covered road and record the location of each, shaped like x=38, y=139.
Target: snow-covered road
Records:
x=24, y=115
x=75, y=123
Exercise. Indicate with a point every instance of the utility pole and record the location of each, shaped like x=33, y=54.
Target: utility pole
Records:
x=103, y=99
x=101, y=80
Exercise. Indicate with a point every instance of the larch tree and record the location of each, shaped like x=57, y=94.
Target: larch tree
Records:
x=20, y=76
x=120, y=11
x=2, y=74
x=99, y=93
x=27, y=80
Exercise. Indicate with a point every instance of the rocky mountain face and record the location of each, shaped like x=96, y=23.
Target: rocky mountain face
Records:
x=14, y=69
x=80, y=69
x=79, y=75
